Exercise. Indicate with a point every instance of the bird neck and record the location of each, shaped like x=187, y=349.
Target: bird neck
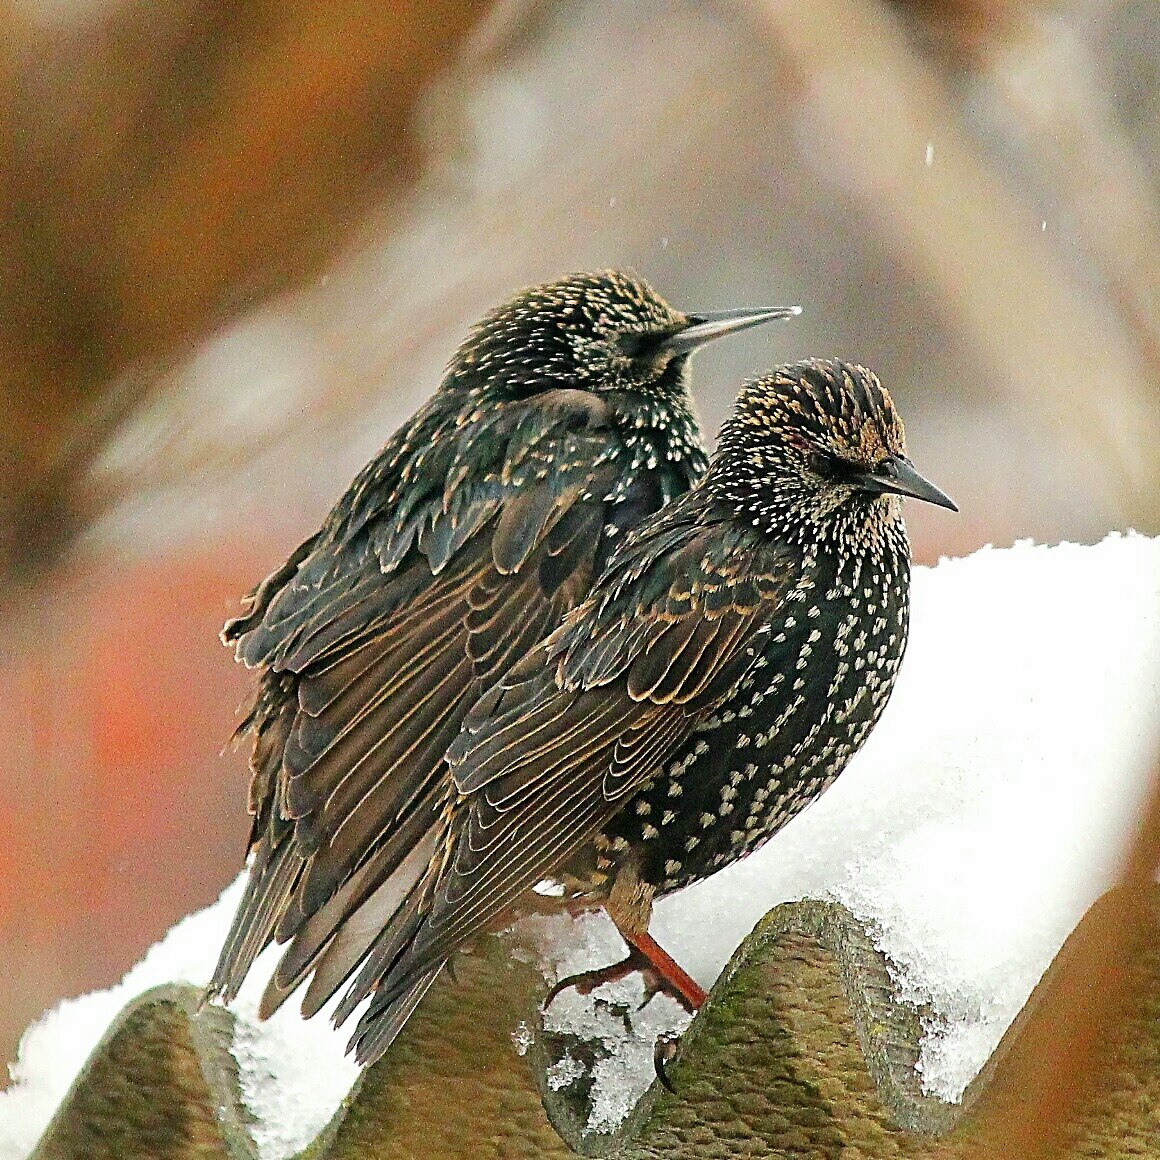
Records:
x=842, y=540
x=864, y=529
x=846, y=561
x=661, y=426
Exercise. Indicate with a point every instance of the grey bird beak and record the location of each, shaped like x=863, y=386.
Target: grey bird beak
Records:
x=707, y=325
x=898, y=475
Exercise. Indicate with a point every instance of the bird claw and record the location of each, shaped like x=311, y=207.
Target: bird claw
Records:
x=664, y=1052
x=655, y=983
x=585, y=982
x=635, y=962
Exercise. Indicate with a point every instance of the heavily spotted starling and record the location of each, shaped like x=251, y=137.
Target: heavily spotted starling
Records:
x=561, y=422
x=733, y=657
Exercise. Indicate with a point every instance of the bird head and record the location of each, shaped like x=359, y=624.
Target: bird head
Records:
x=606, y=331
x=819, y=447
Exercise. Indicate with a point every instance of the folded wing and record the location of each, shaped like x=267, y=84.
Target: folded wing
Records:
x=554, y=750
x=375, y=637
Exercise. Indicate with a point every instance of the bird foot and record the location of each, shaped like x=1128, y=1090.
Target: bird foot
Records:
x=585, y=982
x=664, y=1052
x=659, y=972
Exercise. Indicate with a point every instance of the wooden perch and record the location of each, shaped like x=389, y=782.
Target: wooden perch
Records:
x=802, y=1050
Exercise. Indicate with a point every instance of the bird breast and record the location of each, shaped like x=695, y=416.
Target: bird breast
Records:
x=780, y=739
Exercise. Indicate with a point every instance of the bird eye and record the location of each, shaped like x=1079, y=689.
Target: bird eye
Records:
x=637, y=343
x=823, y=464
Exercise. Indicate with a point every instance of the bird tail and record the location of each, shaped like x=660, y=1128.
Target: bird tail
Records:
x=334, y=941
x=273, y=875
x=352, y=930
x=380, y=956
x=377, y=1028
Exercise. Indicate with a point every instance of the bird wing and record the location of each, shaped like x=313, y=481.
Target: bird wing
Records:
x=452, y=555
x=550, y=754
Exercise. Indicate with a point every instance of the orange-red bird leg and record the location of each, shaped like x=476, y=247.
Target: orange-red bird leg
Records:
x=660, y=970
x=674, y=979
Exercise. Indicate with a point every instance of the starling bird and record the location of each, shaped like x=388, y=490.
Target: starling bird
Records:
x=725, y=667
x=561, y=422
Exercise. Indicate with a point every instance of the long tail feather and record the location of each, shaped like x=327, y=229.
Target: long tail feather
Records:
x=376, y=1030
x=258, y=914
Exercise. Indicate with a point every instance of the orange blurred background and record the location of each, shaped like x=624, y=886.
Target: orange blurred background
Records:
x=244, y=239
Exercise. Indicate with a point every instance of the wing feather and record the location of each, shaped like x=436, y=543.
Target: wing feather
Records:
x=450, y=557
x=557, y=751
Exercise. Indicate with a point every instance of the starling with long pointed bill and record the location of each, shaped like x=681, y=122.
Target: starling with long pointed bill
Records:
x=724, y=669
x=562, y=421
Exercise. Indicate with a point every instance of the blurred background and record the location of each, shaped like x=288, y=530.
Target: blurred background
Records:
x=241, y=240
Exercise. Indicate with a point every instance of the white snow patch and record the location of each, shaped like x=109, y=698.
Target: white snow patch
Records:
x=563, y=1072
x=293, y=1073
x=984, y=815
x=523, y=1037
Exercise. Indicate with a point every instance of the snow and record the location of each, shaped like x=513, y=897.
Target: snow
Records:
x=293, y=1074
x=984, y=815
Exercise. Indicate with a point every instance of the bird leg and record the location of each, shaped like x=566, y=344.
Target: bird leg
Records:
x=671, y=977
x=659, y=970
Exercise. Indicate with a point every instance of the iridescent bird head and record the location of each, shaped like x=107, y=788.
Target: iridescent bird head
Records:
x=817, y=448
x=606, y=331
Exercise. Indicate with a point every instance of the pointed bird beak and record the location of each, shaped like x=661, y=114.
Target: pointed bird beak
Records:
x=898, y=475
x=711, y=324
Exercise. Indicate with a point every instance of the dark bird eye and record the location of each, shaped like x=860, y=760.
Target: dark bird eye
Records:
x=638, y=343
x=823, y=464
